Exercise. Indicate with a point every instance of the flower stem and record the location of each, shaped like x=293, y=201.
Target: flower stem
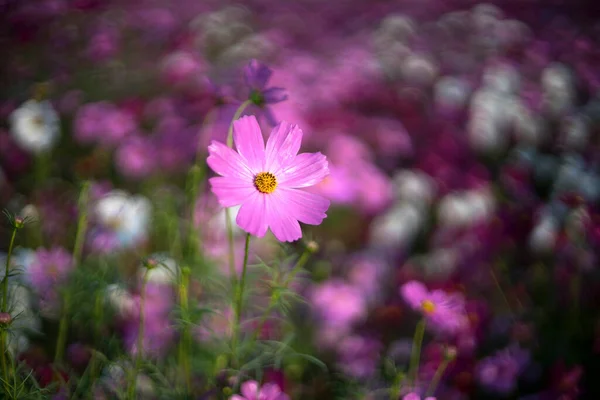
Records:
x=275, y=294
x=437, y=377
x=228, y=224
x=239, y=297
x=77, y=252
x=140, y=342
x=7, y=267
x=3, y=349
x=237, y=114
x=185, y=343
x=413, y=370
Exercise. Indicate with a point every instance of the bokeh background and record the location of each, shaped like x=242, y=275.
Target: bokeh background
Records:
x=462, y=141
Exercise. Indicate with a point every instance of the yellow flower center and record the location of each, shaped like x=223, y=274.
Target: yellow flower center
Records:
x=265, y=182
x=428, y=306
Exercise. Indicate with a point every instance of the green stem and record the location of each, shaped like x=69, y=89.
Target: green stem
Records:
x=3, y=358
x=437, y=377
x=231, y=247
x=275, y=294
x=77, y=252
x=228, y=225
x=140, y=342
x=185, y=343
x=237, y=115
x=7, y=267
x=96, y=334
x=238, y=302
x=413, y=370
x=196, y=174
x=5, y=305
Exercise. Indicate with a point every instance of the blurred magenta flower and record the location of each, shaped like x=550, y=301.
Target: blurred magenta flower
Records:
x=267, y=181
x=444, y=312
x=256, y=76
x=49, y=268
x=252, y=391
x=500, y=372
x=103, y=123
x=136, y=158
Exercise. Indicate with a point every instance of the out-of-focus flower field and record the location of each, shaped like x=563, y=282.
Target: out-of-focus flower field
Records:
x=271, y=200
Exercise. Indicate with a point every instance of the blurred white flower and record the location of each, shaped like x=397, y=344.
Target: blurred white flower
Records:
x=465, y=208
x=120, y=299
x=35, y=126
x=418, y=69
x=398, y=227
x=576, y=132
x=503, y=78
x=125, y=215
x=165, y=271
x=451, y=93
x=544, y=235
x=414, y=187
x=559, y=89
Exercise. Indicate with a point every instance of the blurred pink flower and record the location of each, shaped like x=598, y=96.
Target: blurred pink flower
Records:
x=267, y=182
x=103, y=123
x=136, y=158
x=252, y=391
x=444, y=312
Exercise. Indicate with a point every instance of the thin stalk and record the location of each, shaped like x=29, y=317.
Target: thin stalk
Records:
x=238, y=302
x=7, y=267
x=228, y=225
x=185, y=343
x=77, y=252
x=437, y=377
x=237, y=115
x=413, y=370
x=140, y=342
x=5, y=372
x=96, y=335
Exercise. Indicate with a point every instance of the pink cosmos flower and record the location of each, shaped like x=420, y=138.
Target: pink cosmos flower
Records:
x=414, y=396
x=251, y=391
x=267, y=182
x=444, y=312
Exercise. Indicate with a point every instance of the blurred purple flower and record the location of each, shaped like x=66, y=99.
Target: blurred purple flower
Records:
x=103, y=123
x=159, y=332
x=500, y=372
x=48, y=269
x=338, y=305
x=359, y=356
x=252, y=391
x=444, y=312
x=256, y=76
x=136, y=158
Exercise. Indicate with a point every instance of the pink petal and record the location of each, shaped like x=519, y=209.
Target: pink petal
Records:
x=252, y=216
x=224, y=161
x=414, y=293
x=250, y=390
x=283, y=224
x=282, y=146
x=307, y=169
x=237, y=397
x=308, y=208
x=249, y=142
x=270, y=391
x=231, y=191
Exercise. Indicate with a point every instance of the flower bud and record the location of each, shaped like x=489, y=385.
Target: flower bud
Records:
x=5, y=319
